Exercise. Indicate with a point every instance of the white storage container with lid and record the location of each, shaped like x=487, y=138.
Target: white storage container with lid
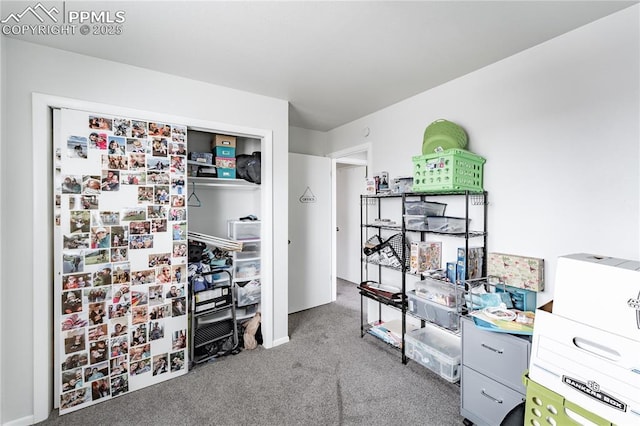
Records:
x=435, y=349
x=441, y=292
x=441, y=315
x=425, y=208
x=243, y=230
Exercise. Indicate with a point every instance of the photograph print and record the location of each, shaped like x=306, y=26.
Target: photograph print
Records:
x=160, y=364
x=77, y=147
x=176, y=360
x=136, y=145
x=70, y=282
x=122, y=127
x=100, y=123
x=71, y=184
x=98, y=140
x=138, y=129
x=119, y=384
x=116, y=145
x=72, y=261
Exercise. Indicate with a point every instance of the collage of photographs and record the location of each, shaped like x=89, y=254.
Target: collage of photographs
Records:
x=118, y=321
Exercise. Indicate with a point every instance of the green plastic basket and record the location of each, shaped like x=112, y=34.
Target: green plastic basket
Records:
x=442, y=135
x=450, y=170
x=545, y=407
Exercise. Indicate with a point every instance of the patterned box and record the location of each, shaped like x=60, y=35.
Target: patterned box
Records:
x=474, y=263
x=517, y=271
x=425, y=256
x=226, y=162
x=201, y=157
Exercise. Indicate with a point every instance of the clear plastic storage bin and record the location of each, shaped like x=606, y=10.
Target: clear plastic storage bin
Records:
x=250, y=249
x=443, y=293
x=425, y=208
x=415, y=222
x=447, y=224
x=248, y=292
x=435, y=349
x=243, y=230
x=246, y=269
x=441, y=315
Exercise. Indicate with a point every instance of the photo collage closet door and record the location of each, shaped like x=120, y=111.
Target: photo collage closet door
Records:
x=120, y=259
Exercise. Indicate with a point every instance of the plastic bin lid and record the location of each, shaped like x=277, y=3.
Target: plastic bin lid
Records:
x=437, y=143
x=439, y=340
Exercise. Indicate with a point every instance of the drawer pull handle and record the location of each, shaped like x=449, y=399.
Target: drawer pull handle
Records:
x=497, y=401
x=498, y=351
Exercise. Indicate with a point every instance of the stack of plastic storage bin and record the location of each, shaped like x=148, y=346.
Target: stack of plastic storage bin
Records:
x=246, y=266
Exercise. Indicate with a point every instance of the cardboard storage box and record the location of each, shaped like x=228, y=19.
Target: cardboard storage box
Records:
x=225, y=151
x=223, y=140
x=402, y=184
x=201, y=157
x=517, y=271
x=226, y=162
x=425, y=256
x=600, y=291
x=544, y=406
x=593, y=368
x=474, y=262
x=226, y=173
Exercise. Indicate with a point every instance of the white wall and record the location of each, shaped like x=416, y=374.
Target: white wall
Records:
x=558, y=125
x=305, y=141
x=32, y=68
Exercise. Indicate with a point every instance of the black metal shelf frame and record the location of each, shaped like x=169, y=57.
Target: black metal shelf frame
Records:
x=475, y=198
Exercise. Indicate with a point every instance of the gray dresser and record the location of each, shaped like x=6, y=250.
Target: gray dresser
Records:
x=492, y=368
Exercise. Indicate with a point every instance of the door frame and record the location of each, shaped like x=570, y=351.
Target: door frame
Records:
x=42, y=243
x=345, y=156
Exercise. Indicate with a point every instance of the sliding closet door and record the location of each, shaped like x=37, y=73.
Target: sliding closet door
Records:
x=120, y=290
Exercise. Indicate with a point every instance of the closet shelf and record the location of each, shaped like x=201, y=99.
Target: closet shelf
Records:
x=219, y=182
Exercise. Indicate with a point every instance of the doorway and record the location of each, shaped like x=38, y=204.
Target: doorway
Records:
x=349, y=168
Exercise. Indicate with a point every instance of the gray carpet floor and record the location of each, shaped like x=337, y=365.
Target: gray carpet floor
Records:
x=326, y=375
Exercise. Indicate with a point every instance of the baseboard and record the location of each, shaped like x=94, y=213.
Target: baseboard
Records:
x=280, y=341
x=25, y=421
